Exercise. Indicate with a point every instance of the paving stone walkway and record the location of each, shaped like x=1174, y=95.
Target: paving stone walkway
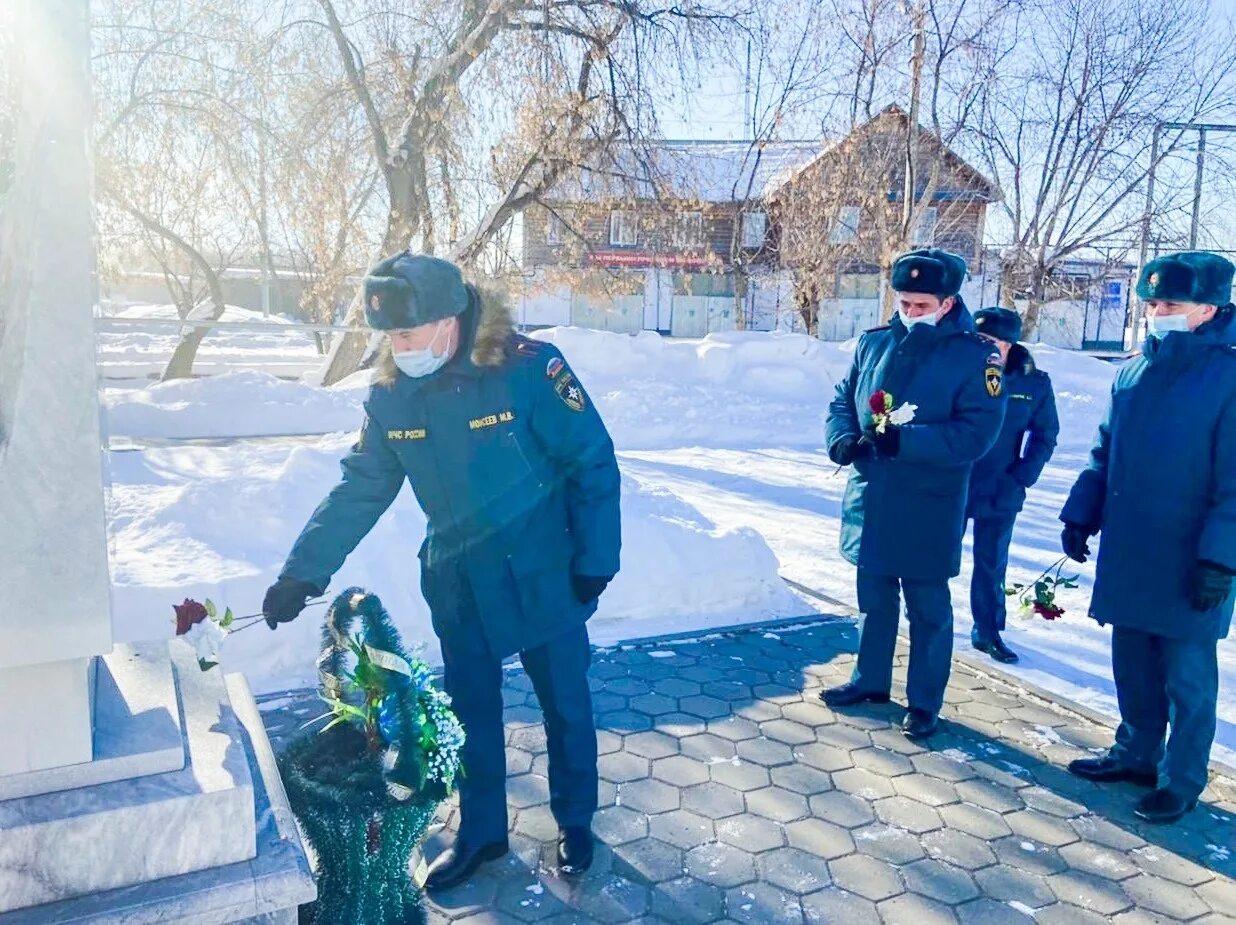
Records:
x=730, y=793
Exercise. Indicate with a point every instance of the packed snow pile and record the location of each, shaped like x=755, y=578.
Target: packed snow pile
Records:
x=126, y=351
x=217, y=522
x=236, y=404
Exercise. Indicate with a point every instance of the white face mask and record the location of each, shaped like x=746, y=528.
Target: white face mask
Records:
x=421, y=363
x=928, y=319
x=1162, y=325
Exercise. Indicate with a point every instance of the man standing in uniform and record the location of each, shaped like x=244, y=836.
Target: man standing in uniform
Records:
x=517, y=477
x=904, y=509
x=999, y=481
x=1161, y=486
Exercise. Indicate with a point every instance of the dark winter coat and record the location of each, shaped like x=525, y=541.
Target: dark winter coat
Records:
x=1027, y=439
x=905, y=516
x=1161, y=483
x=515, y=472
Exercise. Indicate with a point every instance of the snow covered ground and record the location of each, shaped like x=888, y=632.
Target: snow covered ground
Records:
x=725, y=486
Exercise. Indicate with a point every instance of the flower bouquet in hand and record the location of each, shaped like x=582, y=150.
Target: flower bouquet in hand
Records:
x=1038, y=598
x=883, y=413
x=204, y=628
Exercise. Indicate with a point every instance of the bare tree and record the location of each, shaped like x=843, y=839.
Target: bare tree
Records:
x=1066, y=131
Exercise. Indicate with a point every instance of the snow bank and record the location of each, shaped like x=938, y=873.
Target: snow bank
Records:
x=218, y=521
x=136, y=352
x=236, y=404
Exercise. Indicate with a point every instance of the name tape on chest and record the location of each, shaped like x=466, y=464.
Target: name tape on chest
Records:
x=415, y=433
x=491, y=420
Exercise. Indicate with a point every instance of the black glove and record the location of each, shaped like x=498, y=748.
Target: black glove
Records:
x=285, y=599
x=1211, y=585
x=1073, y=541
x=588, y=588
x=887, y=444
x=848, y=449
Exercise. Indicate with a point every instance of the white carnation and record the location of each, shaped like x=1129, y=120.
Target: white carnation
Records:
x=902, y=415
x=206, y=637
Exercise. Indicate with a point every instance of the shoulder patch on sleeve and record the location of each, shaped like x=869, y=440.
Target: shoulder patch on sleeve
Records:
x=994, y=377
x=570, y=391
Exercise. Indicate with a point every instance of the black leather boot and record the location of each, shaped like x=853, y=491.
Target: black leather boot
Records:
x=574, y=850
x=919, y=724
x=1107, y=770
x=460, y=861
x=1163, y=806
x=993, y=646
x=847, y=695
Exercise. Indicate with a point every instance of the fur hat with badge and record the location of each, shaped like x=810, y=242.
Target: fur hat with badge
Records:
x=409, y=290
x=1189, y=276
x=929, y=270
x=1001, y=323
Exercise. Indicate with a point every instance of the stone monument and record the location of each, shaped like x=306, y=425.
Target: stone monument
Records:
x=133, y=786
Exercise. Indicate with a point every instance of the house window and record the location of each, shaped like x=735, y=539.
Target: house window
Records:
x=689, y=232
x=925, y=230
x=846, y=229
x=754, y=229
x=559, y=227
x=623, y=229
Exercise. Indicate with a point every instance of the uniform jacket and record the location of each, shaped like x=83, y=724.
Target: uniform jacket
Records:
x=905, y=516
x=515, y=472
x=1161, y=483
x=1026, y=441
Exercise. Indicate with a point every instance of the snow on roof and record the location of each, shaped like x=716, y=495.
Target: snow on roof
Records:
x=710, y=171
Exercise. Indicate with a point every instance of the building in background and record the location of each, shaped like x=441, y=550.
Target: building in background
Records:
x=692, y=237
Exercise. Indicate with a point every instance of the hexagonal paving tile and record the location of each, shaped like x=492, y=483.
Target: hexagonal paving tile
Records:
x=651, y=744
x=907, y=814
x=1093, y=828
x=866, y=877
x=720, y=864
x=1099, y=861
x=653, y=704
x=811, y=713
x=1165, y=896
x=707, y=748
x=843, y=737
x=734, y=728
x=930, y=791
x=648, y=859
x=1086, y=891
x=1042, y=828
x=913, y=909
x=842, y=809
x=833, y=905
x=617, y=825
x=888, y=843
x=788, y=732
x=794, y=870
x=713, y=800
x=777, y=804
x=688, y=901
x=824, y=756
x=610, y=899
x=751, y=833
x=1012, y=886
x=762, y=904
x=1162, y=863
x=681, y=828
x=739, y=774
x=524, y=901
x=863, y=783
x=996, y=797
x=959, y=849
x=1026, y=855
x=764, y=751
x=975, y=820
x=882, y=761
x=649, y=796
x=621, y=767
x=801, y=778
x=823, y=839
x=940, y=881
x=680, y=770
x=704, y=706
x=989, y=912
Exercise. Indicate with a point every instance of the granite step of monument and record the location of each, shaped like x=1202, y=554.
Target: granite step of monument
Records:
x=137, y=728
x=57, y=846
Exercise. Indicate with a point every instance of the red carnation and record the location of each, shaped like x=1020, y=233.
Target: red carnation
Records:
x=880, y=402
x=188, y=614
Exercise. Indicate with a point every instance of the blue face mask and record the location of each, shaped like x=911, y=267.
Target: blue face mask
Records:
x=929, y=319
x=421, y=363
x=1162, y=325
